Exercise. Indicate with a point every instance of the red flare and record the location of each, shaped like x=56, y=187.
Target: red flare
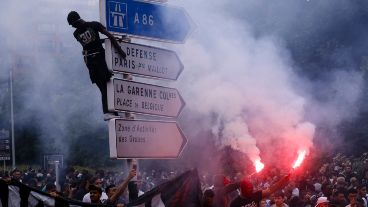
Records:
x=301, y=156
x=259, y=165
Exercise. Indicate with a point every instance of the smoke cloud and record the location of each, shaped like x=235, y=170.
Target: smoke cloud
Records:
x=245, y=74
x=52, y=91
x=247, y=82
x=243, y=80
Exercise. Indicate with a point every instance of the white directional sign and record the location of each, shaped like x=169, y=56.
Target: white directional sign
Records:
x=5, y=149
x=144, y=60
x=143, y=98
x=145, y=139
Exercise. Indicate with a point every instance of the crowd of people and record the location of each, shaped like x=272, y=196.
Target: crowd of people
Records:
x=339, y=181
x=113, y=188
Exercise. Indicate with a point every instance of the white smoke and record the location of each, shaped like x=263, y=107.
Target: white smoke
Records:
x=243, y=78
x=247, y=81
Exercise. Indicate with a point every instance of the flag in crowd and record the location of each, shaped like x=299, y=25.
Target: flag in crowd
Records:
x=184, y=190
x=16, y=194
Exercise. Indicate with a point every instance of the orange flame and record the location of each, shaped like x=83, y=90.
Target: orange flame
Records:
x=301, y=156
x=259, y=165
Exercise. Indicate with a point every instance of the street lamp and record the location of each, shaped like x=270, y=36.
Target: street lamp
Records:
x=12, y=117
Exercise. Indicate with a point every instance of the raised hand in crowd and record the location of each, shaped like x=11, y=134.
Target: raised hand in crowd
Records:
x=114, y=193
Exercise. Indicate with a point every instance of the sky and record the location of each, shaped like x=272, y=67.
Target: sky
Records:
x=242, y=81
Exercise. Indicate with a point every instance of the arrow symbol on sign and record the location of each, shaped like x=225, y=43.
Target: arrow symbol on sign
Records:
x=145, y=139
x=144, y=60
x=130, y=96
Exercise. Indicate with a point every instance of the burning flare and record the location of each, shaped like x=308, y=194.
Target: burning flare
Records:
x=301, y=156
x=259, y=165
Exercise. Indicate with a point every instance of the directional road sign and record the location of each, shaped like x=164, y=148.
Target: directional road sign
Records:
x=145, y=139
x=146, y=20
x=5, y=150
x=144, y=60
x=49, y=160
x=143, y=98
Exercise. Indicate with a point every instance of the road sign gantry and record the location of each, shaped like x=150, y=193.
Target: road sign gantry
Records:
x=129, y=138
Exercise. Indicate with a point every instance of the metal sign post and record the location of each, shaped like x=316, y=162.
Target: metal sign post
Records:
x=57, y=174
x=12, y=119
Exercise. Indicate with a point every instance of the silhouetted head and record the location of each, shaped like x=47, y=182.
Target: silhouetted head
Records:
x=73, y=18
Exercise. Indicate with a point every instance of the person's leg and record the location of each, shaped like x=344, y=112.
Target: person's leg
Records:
x=101, y=76
x=103, y=89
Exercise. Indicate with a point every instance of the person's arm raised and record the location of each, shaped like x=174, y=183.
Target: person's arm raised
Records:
x=114, y=42
x=278, y=185
x=123, y=185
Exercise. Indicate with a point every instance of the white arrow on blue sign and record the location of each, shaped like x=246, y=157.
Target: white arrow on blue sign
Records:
x=147, y=20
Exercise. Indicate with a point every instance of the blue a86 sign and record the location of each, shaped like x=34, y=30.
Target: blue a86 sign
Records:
x=147, y=20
